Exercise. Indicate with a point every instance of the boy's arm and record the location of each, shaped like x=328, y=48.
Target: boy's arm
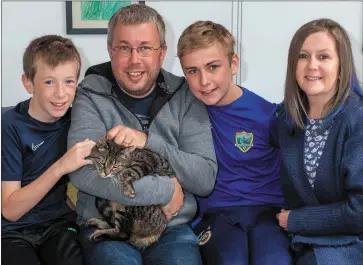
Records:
x=16, y=200
x=87, y=122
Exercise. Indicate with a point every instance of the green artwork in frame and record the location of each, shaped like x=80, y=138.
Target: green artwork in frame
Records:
x=100, y=10
x=91, y=17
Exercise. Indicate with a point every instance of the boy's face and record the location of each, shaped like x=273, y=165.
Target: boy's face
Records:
x=209, y=74
x=53, y=90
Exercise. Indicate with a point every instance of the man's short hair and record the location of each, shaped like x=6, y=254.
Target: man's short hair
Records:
x=136, y=14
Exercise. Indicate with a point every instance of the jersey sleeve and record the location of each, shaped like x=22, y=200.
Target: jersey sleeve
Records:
x=11, y=156
x=273, y=127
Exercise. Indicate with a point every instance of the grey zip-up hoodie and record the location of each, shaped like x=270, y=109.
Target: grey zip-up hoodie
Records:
x=179, y=131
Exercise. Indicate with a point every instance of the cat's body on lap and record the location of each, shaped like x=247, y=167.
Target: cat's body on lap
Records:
x=139, y=225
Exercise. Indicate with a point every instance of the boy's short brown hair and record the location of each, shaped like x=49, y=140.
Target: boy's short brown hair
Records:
x=202, y=34
x=52, y=50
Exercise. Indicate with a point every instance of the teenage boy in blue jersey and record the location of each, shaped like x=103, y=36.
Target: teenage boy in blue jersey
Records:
x=237, y=221
x=37, y=225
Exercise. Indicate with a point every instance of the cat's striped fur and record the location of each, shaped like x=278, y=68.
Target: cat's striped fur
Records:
x=139, y=225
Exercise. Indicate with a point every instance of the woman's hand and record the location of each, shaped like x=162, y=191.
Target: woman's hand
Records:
x=283, y=217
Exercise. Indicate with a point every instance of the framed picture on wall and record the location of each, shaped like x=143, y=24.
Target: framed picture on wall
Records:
x=91, y=17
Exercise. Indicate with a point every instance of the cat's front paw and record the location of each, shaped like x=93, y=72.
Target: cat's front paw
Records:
x=96, y=236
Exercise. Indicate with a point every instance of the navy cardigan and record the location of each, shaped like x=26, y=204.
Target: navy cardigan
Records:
x=335, y=205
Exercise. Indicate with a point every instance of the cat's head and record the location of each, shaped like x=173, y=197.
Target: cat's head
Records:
x=108, y=157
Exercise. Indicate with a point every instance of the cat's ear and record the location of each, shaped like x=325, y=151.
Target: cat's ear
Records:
x=102, y=145
x=112, y=144
x=95, y=152
x=128, y=150
x=102, y=140
x=124, y=153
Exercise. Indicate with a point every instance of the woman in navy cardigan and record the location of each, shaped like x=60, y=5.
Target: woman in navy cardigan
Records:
x=321, y=140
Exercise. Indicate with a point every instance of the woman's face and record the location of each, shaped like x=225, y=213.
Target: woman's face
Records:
x=318, y=66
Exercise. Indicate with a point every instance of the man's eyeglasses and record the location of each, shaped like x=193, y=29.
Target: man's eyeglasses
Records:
x=143, y=51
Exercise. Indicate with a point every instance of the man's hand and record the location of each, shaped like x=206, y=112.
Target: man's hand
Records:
x=127, y=137
x=74, y=158
x=176, y=202
x=283, y=217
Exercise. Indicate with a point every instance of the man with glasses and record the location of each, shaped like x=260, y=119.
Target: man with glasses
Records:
x=136, y=103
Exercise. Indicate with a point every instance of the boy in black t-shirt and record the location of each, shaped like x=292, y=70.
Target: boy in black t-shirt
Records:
x=37, y=226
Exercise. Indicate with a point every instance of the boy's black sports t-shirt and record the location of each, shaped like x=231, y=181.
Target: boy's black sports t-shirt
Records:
x=28, y=148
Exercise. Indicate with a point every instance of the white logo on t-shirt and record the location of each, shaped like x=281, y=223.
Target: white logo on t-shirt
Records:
x=35, y=147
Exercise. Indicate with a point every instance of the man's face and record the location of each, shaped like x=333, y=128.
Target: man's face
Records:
x=136, y=74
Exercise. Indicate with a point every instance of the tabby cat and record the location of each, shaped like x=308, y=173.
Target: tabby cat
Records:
x=139, y=225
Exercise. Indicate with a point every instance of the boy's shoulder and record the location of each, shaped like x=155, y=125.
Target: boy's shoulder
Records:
x=18, y=114
x=259, y=103
x=14, y=114
x=256, y=97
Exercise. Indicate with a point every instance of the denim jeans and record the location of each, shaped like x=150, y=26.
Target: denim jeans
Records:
x=177, y=246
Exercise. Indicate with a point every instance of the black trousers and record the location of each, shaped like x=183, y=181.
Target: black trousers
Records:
x=54, y=245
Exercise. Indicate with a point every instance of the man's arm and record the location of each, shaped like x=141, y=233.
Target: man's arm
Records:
x=193, y=159
x=87, y=123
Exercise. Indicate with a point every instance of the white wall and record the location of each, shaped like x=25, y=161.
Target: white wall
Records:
x=23, y=21
x=266, y=32
x=268, y=28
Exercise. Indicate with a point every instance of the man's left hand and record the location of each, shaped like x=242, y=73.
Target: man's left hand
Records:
x=283, y=217
x=127, y=137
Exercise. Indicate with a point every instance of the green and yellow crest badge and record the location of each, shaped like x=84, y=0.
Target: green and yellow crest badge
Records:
x=204, y=237
x=244, y=141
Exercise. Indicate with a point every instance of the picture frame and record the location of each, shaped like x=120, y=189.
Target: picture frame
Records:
x=91, y=17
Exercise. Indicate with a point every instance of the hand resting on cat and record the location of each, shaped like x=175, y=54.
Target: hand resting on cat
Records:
x=139, y=225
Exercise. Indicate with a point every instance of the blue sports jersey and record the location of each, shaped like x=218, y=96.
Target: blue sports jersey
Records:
x=245, y=141
x=28, y=148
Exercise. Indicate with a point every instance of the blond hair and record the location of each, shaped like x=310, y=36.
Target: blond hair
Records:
x=202, y=34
